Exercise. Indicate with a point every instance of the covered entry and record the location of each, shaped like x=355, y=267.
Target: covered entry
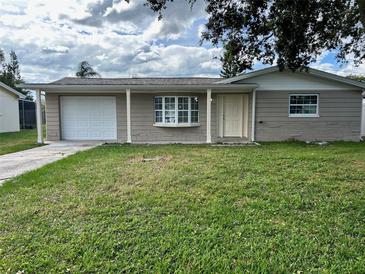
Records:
x=88, y=117
x=233, y=115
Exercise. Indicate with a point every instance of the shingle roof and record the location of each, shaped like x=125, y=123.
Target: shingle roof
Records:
x=136, y=81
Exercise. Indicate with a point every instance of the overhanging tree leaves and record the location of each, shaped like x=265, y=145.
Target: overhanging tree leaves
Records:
x=291, y=32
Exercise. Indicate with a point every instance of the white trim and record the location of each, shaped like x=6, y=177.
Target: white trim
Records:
x=17, y=93
x=39, y=116
x=209, y=115
x=312, y=71
x=253, y=119
x=303, y=115
x=129, y=127
x=176, y=125
x=176, y=111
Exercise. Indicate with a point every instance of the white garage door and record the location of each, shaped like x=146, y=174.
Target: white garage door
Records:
x=88, y=118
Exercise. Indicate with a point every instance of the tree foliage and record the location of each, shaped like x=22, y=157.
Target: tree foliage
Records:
x=357, y=77
x=86, y=71
x=292, y=33
x=2, y=57
x=10, y=71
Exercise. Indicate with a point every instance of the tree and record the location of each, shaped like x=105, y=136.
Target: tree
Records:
x=2, y=57
x=356, y=77
x=10, y=74
x=86, y=71
x=292, y=33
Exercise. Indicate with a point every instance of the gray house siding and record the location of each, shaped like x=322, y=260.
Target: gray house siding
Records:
x=52, y=117
x=339, y=117
x=293, y=81
x=142, y=120
x=340, y=107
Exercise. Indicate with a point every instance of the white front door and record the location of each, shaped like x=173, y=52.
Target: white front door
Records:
x=88, y=118
x=232, y=115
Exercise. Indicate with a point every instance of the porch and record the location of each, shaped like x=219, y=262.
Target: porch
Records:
x=226, y=112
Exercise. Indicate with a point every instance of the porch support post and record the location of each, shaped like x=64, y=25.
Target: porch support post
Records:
x=129, y=128
x=39, y=116
x=209, y=115
x=253, y=120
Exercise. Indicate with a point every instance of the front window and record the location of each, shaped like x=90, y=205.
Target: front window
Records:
x=176, y=110
x=303, y=105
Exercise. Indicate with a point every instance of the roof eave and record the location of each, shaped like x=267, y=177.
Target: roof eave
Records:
x=122, y=88
x=316, y=72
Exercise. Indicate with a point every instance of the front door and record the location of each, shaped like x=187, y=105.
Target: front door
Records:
x=232, y=115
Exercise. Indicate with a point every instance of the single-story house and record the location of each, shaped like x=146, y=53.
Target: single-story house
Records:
x=264, y=105
x=9, y=109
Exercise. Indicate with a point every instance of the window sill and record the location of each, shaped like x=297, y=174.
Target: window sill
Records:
x=176, y=125
x=304, y=116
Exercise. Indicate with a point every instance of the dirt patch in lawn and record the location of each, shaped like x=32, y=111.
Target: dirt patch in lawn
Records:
x=144, y=159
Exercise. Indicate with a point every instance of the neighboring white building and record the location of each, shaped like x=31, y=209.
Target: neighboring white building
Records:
x=9, y=108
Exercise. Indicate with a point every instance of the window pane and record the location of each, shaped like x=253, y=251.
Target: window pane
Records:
x=170, y=103
x=183, y=103
x=194, y=103
x=303, y=104
x=310, y=109
x=158, y=103
x=169, y=116
x=183, y=117
x=313, y=100
x=195, y=116
x=158, y=116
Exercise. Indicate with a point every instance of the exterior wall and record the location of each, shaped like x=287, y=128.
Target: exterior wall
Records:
x=142, y=120
x=339, y=111
x=293, y=81
x=53, y=115
x=9, y=111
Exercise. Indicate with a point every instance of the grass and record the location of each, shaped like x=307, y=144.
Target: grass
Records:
x=17, y=141
x=286, y=207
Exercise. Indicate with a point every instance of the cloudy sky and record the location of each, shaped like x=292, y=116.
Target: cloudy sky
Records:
x=118, y=39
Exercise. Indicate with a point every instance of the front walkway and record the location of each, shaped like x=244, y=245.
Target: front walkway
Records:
x=17, y=163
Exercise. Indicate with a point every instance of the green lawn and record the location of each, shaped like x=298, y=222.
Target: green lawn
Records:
x=17, y=141
x=271, y=208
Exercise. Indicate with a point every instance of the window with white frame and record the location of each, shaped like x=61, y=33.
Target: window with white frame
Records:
x=175, y=110
x=303, y=105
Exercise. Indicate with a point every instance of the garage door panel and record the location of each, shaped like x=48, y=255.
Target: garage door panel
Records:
x=88, y=118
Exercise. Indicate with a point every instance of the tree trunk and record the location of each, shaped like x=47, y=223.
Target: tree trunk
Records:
x=361, y=4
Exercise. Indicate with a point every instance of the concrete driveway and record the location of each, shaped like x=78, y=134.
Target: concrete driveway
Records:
x=17, y=163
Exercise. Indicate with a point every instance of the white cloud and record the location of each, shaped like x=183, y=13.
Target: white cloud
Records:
x=118, y=39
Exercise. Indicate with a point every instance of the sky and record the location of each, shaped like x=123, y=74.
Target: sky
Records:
x=118, y=39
